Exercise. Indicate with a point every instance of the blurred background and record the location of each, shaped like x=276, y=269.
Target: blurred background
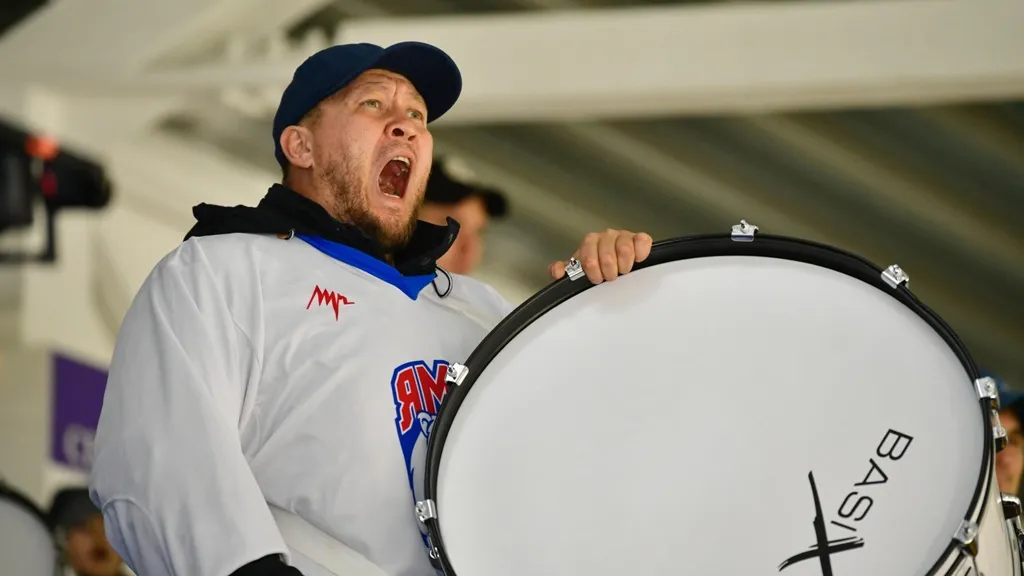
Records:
x=890, y=128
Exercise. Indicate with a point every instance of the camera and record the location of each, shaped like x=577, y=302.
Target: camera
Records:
x=36, y=170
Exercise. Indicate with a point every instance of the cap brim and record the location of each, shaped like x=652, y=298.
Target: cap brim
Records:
x=497, y=206
x=1012, y=400
x=430, y=70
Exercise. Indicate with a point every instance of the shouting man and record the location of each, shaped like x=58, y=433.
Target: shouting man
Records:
x=277, y=370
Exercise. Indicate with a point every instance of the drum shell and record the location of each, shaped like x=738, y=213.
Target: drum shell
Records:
x=771, y=247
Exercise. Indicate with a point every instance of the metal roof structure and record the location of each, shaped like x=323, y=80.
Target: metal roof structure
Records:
x=936, y=187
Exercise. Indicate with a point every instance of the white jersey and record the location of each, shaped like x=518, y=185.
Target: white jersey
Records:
x=254, y=372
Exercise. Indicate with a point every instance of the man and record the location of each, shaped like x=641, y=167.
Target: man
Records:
x=273, y=381
x=78, y=530
x=450, y=194
x=1010, y=460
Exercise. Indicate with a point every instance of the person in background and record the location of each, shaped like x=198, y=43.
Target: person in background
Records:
x=1010, y=460
x=450, y=192
x=78, y=529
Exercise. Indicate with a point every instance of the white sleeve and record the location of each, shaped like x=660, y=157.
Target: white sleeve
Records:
x=177, y=495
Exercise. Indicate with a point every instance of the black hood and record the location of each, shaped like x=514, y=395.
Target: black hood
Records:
x=284, y=211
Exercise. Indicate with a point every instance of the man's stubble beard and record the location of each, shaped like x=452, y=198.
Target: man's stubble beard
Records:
x=349, y=205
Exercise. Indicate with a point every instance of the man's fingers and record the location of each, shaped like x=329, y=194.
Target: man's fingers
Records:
x=557, y=269
x=607, y=255
x=642, y=246
x=625, y=251
x=587, y=255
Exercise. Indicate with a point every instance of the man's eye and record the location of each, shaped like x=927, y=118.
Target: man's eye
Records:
x=416, y=114
x=372, y=103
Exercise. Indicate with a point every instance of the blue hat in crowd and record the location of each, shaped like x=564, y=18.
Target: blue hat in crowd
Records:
x=1008, y=398
x=432, y=72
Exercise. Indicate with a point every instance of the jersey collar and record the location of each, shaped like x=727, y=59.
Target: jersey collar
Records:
x=284, y=211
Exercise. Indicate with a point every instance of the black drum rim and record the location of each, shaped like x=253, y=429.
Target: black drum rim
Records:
x=684, y=248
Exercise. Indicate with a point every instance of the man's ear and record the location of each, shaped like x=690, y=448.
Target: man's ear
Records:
x=297, y=146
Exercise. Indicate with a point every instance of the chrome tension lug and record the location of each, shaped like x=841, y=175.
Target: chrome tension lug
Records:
x=744, y=232
x=987, y=391
x=574, y=269
x=999, y=434
x=967, y=536
x=1011, y=505
x=425, y=510
x=456, y=374
x=894, y=276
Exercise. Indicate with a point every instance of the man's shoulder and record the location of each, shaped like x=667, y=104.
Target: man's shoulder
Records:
x=220, y=251
x=479, y=294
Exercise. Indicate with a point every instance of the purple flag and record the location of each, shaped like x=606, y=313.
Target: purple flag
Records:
x=77, y=400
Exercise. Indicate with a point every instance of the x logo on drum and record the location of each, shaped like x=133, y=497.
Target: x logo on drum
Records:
x=824, y=548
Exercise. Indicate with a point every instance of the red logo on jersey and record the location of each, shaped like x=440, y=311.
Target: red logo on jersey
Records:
x=330, y=297
x=418, y=390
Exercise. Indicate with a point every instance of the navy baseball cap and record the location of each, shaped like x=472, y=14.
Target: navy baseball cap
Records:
x=1009, y=398
x=430, y=70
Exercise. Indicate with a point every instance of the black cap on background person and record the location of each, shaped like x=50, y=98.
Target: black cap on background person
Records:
x=452, y=191
x=77, y=525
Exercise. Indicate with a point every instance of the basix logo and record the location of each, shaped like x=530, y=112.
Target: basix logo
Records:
x=330, y=298
x=854, y=507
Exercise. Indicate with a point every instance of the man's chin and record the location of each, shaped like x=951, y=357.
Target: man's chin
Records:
x=395, y=235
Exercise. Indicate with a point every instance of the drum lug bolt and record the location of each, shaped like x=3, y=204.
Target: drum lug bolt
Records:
x=574, y=269
x=987, y=391
x=967, y=536
x=894, y=276
x=744, y=232
x=999, y=435
x=425, y=510
x=456, y=374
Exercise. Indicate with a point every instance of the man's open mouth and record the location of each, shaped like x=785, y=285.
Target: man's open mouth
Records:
x=394, y=177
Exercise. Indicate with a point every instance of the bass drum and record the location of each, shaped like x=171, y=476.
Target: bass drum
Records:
x=739, y=404
x=27, y=547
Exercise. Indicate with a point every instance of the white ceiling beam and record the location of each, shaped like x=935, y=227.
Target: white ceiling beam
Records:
x=106, y=39
x=693, y=59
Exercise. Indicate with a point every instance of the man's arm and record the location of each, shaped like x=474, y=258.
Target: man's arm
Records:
x=177, y=494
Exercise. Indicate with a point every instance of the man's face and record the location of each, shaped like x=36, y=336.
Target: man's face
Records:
x=1010, y=460
x=372, y=151
x=88, y=551
x=471, y=214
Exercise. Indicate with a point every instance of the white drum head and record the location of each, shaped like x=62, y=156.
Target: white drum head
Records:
x=26, y=546
x=669, y=422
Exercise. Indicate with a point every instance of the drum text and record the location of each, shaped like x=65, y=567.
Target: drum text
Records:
x=857, y=504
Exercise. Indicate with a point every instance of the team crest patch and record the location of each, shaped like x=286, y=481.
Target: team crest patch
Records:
x=418, y=389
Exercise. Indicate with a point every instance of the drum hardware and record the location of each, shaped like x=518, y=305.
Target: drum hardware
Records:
x=456, y=374
x=998, y=432
x=427, y=510
x=987, y=391
x=574, y=269
x=470, y=477
x=989, y=394
x=894, y=276
x=744, y=232
x=967, y=537
x=1012, y=511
